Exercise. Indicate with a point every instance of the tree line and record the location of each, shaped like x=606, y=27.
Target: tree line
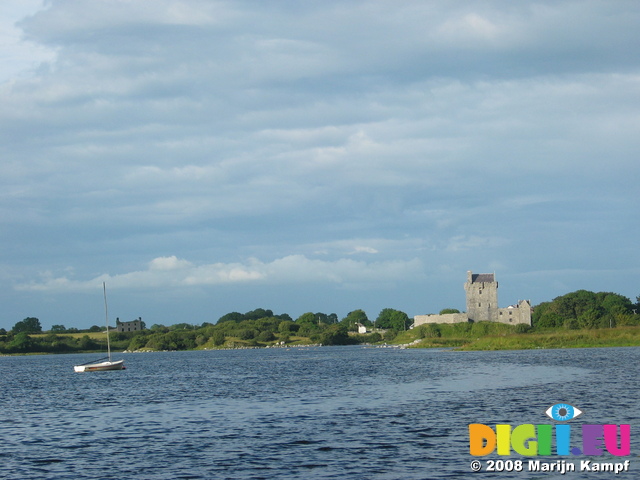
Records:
x=262, y=327
x=586, y=309
x=259, y=327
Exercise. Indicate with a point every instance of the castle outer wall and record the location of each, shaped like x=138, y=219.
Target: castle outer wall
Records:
x=446, y=318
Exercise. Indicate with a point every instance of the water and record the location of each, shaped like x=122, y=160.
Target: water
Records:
x=312, y=413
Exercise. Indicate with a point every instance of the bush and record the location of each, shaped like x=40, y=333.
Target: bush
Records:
x=247, y=334
x=137, y=342
x=218, y=338
x=429, y=330
x=389, y=335
x=368, y=338
x=266, y=336
x=336, y=335
x=86, y=343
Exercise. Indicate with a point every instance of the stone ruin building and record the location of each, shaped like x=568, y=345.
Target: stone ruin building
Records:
x=482, y=305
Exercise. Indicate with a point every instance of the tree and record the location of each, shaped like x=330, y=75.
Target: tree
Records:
x=28, y=325
x=335, y=335
x=584, y=309
x=393, y=319
x=231, y=317
x=247, y=334
x=308, y=318
x=86, y=343
x=58, y=329
x=266, y=336
x=218, y=338
x=137, y=342
x=257, y=314
x=287, y=327
x=284, y=316
x=357, y=316
x=445, y=311
x=21, y=343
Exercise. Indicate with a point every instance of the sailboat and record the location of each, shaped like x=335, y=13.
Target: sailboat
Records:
x=107, y=364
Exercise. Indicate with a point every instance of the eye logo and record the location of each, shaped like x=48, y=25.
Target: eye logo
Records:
x=562, y=412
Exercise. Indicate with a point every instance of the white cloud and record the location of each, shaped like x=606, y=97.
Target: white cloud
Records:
x=172, y=272
x=364, y=249
x=168, y=263
x=19, y=57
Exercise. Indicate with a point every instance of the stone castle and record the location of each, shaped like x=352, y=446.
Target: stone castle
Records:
x=482, y=305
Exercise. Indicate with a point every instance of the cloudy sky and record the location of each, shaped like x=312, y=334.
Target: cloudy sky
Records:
x=205, y=156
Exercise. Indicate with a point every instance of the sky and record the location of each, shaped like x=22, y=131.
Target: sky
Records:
x=205, y=157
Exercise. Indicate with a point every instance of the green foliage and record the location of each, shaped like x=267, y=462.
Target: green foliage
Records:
x=217, y=338
x=256, y=314
x=429, y=330
x=583, y=309
x=137, y=342
x=336, y=335
x=354, y=317
x=266, y=336
x=393, y=319
x=21, y=343
x=86, y=343
x=389, y=335
x=367, y=338
x=231, y=317
x=287, y=327
x=306, y=318
x=445, y=311
x=28, y=325
x=247, y=334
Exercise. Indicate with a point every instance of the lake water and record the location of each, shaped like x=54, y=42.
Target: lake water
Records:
x=298, y=413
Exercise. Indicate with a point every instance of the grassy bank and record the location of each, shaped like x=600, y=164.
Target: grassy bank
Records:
x=461, y=336
x=504, y=337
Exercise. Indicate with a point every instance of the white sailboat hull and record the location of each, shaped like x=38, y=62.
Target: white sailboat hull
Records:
x=98, y=367
x=108, y=365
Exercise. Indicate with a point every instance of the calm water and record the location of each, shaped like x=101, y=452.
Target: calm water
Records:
x=332, y=412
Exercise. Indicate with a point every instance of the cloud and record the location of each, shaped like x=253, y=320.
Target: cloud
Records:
x=172, y=272
x=470, y=242
x=363, y=249
x=313, y=140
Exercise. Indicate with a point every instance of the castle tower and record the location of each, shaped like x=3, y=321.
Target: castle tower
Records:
x=482, y=296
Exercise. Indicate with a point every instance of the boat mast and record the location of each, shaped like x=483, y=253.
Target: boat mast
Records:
x=106, y=315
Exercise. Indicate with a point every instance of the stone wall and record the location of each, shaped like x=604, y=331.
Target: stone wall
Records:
x=446, y=318
x=520, y=313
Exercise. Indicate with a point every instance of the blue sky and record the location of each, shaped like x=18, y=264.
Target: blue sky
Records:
x=203, y=157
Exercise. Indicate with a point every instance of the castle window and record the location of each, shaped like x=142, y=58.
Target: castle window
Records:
x=479, y=304
x=480, y=291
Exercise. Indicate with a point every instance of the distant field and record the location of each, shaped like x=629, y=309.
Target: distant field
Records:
x=91, y=335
